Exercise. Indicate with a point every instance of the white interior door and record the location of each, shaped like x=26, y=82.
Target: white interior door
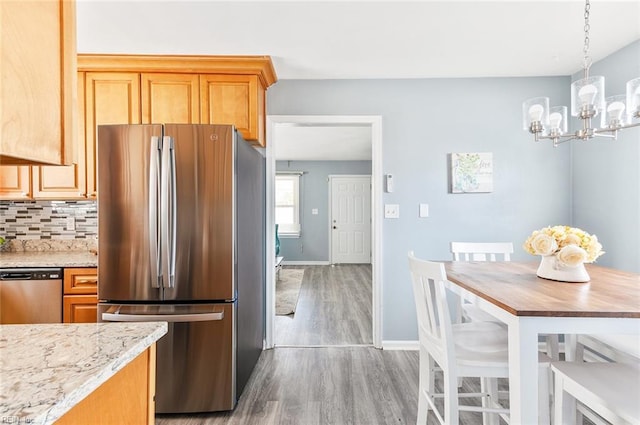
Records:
x=350, y=218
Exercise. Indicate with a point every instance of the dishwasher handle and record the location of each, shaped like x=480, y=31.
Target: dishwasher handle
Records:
x=194, y=317
x=15, y=276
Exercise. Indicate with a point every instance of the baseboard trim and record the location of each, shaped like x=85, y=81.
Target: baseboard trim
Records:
x=401, y=345
x=305, y=263
x=415, y=345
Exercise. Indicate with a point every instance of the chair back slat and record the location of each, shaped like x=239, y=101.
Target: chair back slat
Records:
x=482, y=251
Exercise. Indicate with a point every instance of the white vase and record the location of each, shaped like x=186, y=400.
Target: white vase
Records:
x=550, y=268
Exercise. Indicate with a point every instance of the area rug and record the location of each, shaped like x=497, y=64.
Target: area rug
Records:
x=288, y=290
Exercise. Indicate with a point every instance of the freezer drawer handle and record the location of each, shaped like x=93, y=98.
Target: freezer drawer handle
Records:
x=198, y=317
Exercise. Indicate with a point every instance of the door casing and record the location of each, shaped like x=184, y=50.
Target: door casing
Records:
x=375, y=121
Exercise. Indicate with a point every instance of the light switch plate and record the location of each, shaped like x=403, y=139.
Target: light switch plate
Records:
x=314, y=211
x=391, y=211
x=424, y=210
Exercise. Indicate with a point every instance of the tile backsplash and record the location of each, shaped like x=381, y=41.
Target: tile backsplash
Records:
x=48, y=220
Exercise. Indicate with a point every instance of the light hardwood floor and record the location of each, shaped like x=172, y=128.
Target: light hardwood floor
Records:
x=326, y=385
x=345, y=385
x=334, y=308
x=329, y=385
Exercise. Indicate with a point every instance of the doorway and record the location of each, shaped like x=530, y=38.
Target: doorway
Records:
x=375, y=124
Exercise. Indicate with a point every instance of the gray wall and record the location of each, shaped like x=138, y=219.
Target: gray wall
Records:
x=424, y=121
x=313, y=243
x=606, y=174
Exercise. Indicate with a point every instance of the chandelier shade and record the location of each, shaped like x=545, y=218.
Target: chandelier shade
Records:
x=633, y=98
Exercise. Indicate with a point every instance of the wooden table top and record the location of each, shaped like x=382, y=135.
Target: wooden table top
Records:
x=515, y=288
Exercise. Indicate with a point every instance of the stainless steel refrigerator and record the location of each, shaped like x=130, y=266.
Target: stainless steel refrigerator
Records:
x=181, y=224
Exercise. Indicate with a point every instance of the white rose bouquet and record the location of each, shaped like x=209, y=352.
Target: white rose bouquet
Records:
x=570, y=245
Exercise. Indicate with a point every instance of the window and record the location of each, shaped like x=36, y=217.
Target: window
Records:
x=288, y=204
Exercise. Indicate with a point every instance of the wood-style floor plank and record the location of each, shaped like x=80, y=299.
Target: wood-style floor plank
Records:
x=334, y=308
x=327, y=386
x=333, y=385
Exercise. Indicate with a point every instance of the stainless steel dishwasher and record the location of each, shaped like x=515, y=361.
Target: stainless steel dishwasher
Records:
x=32, y=295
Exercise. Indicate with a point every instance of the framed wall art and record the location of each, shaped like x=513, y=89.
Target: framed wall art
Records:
x=471, y=172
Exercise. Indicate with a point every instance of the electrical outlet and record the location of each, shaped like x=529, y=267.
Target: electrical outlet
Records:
x=71, y=223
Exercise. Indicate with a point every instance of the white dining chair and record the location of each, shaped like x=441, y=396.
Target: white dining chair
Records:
x=603, y=347
x=481, y=251
x=460, y=350
x=490, y=251
x=609, y=390
x=478, y=251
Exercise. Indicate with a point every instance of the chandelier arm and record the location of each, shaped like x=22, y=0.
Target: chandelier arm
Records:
x=604, y=133
x=636, y=124
x=599, y=131
x=560, y=139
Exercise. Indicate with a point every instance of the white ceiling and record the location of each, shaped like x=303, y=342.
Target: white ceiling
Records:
x=367, y=39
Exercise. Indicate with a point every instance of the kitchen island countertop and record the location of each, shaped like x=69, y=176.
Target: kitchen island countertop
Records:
x=48, y=259
x=45, y=370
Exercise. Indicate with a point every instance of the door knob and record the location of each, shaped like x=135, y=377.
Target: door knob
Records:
x=335, y=227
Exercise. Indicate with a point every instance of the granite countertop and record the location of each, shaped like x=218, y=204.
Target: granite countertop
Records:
x=48, y=259
x=45, y=370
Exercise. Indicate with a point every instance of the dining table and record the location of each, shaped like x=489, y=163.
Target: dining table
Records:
x=609, y=303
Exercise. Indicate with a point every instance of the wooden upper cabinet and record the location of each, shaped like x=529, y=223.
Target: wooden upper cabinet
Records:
x=233, y=99
x=15, y=182
x=38, y=90
x=69, y=181
x=170, y=98
x=110, y=98
x=197, y=89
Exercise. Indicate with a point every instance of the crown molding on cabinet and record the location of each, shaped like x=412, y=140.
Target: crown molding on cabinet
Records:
x=232, y=65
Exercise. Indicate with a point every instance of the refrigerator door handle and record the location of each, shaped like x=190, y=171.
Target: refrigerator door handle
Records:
x=173, y=212
x=154, y=187
x=195, y=317
x=164, y=213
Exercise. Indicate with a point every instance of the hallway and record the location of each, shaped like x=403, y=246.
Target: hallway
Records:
x=334, y=308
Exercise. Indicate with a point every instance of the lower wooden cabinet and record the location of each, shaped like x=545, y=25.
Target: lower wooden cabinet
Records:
x=80, y=308
x=80, y=296
x=126, y=398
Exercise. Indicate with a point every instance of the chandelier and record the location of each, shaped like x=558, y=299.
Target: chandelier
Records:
x=587, y=103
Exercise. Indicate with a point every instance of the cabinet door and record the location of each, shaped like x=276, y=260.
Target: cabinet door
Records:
x=38, y=74
x=111, y=98
x=67, y=182
x=234, y=99
x=170, y=99
x=15, y=182
x=79, y=309
x=80, y=281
